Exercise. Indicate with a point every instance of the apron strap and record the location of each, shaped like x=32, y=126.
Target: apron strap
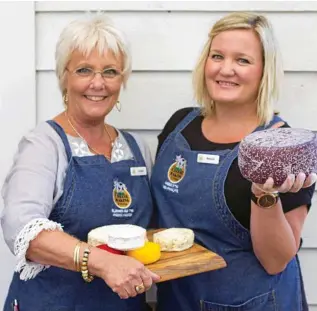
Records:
x=63, y=137
x=134, y=148
x=275, y=120
x=180, y=126
x=190, y=117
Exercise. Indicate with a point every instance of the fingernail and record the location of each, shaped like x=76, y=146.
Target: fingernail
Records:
x=313, y=177
x=291, y=177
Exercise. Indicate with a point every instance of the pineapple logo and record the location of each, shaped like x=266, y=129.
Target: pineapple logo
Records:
x=121, y=195
x=177, y=170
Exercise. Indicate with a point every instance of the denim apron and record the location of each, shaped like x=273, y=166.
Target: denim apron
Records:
x=190, y=193
x=88, y=201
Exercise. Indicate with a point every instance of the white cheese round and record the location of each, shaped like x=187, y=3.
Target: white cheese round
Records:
x=174, y=239
x=121, y=237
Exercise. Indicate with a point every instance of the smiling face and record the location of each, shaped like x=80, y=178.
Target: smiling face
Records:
x=234, y=68
x=92, y=97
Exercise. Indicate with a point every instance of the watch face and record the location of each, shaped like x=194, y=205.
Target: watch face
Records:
x=267, y=200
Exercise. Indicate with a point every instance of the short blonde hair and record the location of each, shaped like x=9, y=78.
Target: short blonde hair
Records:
x=272, y=72
x=86, y=34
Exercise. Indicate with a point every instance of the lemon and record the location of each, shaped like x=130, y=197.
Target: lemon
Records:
x=149, y=253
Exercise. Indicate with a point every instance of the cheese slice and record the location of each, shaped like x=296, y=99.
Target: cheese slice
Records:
x=174, y=239
x=121, y=237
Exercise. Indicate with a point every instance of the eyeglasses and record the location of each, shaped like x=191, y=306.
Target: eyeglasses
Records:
x=89, y=74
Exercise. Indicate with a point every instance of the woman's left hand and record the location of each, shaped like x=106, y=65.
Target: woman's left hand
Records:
x=291, y=184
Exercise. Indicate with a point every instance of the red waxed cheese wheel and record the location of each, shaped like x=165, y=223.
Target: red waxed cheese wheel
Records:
x=109, y=249
x=277, y=153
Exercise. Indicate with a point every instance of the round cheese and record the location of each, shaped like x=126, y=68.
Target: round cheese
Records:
x=121, y=237
x=174, y=239
x=277, y=153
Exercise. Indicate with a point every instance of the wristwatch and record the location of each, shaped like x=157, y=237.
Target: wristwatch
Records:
x=265, y=200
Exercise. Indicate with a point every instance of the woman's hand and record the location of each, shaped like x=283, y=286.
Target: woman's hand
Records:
x=125, y=275
x=291, y=184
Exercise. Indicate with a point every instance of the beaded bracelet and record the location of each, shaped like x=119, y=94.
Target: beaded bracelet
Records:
x=76, y=256
x=84, y=266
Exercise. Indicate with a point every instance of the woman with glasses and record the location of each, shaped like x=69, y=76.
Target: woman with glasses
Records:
x=64, y=181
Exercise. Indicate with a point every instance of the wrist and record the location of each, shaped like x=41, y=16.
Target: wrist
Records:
x=98, y=261
x=265, y=200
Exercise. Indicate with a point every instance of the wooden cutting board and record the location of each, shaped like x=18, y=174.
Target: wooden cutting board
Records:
x=174, y=265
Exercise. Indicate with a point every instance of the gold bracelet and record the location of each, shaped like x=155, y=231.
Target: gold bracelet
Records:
x=84, y=266
x=77, y=256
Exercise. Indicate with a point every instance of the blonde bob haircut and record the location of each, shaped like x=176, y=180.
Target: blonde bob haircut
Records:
x=272, y=71
x=93, y=31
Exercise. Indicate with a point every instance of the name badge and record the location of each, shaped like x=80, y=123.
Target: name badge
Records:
x=207, y=158
x=138, y=171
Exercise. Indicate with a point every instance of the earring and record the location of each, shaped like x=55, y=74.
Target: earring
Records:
x=65, y=99
x=118, y=105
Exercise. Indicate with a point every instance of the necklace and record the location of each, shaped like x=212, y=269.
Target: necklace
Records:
x=90, y=147
x=111, y=140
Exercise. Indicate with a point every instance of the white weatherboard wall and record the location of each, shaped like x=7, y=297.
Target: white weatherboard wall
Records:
x=166, y=38
x=17, y=98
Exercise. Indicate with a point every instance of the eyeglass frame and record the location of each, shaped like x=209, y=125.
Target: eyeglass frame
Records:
x=74, y=72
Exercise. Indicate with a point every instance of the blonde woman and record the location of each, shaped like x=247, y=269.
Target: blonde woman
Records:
x=63, y=180
x=236, y=82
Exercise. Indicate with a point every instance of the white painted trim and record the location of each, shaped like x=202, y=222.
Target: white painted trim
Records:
x=204, y=6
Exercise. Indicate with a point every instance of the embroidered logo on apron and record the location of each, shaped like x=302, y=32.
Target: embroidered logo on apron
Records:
x=177, y=170
x=121, y=195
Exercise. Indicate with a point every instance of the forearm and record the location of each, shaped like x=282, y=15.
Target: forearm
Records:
x=273, y=240
x=56, y=248
x=53, y=248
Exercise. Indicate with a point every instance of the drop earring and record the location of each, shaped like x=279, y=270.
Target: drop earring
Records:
x=65, y=99
x=118, y=105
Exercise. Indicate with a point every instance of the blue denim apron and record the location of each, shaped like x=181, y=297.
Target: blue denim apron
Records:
x=87, y=202
x=192, y=196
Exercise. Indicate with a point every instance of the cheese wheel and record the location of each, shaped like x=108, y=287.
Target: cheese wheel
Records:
x=174, y=239
x=121, y=237
x=277, y=153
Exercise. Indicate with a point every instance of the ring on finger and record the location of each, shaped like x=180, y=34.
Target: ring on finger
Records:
x=139, y=288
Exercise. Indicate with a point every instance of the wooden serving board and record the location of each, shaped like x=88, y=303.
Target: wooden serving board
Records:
x=174, y=265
